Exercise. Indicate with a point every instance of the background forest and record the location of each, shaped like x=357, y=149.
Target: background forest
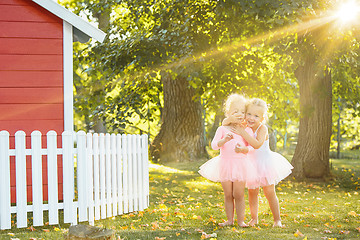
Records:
x=166, y=67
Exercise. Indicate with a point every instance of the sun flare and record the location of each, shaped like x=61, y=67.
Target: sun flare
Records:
x=348, y=12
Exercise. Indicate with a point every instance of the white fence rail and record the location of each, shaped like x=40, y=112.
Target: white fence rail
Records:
x=111, y=177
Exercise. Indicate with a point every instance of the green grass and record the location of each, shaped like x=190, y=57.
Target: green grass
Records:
x=183, y=205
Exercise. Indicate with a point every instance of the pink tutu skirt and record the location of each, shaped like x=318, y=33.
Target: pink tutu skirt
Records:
x=272, y=169
x=235, y=169
x=210, y=169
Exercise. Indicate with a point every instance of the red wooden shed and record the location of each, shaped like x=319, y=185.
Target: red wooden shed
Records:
x=36, y=71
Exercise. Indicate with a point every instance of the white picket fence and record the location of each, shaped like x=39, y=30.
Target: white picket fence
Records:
x=111, y=173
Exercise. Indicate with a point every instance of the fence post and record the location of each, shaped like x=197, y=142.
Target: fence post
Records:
x=125, y=172
x=140, y=172
x=135, y=173
x=108, y=175
x=146, y=168
x=70, y=214
x=81, y=176
x=52, y=177
x=96, y=176
x=37, y=186
x=130, y=173
x=21, y=193
x=90, y=177
x=102, y=175
x=5, y=214
x=113, y=173
x=119, y=161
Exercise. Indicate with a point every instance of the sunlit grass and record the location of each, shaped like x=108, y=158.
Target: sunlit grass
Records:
x=166, y=169
x=183, y=205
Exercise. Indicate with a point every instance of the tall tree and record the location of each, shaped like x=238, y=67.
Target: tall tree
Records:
x=311, y=157
x=174, y=43
x=317, y=48
x=167, y=55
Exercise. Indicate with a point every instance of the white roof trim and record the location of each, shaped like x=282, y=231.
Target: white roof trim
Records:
x=72, y=18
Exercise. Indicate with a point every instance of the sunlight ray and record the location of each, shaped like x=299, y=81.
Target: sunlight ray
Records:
x=270, y=36
x=27, y=109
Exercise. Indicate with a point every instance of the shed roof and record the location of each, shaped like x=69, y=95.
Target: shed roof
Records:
x=82, y=30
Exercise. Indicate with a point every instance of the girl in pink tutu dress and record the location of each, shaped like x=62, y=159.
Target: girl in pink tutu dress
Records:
x=271, y=166
x=232, y=168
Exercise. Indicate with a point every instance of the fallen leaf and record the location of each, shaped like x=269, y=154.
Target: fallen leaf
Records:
x=31, y=228
x=298, y=233
x=206, y=236
x=46, y=230
x=352, y=213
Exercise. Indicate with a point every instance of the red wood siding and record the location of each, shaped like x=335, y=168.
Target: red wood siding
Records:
x=25, y=79
x=15, y=46
x=31, y=77
x=43, y=111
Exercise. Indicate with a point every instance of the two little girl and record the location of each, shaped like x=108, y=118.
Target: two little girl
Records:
x=245, y=160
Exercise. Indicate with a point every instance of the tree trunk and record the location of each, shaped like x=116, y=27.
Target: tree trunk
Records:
x=181, y=134
x=311, y=157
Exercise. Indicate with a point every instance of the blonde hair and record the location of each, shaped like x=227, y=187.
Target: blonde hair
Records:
x=259, y=103
x=232, y=98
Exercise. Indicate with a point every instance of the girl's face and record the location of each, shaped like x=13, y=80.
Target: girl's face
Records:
x=238, y=110
x=254, y=116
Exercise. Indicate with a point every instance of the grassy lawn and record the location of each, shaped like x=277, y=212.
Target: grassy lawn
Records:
x=183, y=205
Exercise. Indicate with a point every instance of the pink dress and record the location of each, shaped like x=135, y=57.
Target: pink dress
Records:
x=271, y=167
x=229, y=165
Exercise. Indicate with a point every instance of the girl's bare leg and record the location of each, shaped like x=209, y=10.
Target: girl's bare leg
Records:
x=254, y=206
x=229, y=203
x=270, y=194
x=239, y=196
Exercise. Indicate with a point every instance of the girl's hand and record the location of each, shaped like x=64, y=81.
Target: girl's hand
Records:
x=241, y=149
x=232, y=119
x=228, y=137
x=225, y=139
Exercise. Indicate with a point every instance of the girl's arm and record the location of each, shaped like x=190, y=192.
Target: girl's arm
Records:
x=220, y=138
x=254, y=142
x=229, y=120
x=250, y=148
x=232, y=119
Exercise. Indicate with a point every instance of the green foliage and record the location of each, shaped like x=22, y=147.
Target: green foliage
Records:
x=187, y=38
x=346, y=98
x=133, y=97
x=251, y=47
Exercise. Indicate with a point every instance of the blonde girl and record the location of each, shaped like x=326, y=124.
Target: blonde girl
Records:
x=271, y=166
x=231, y=167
